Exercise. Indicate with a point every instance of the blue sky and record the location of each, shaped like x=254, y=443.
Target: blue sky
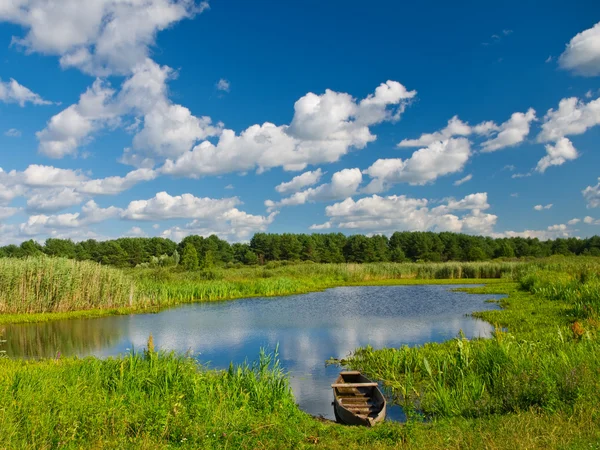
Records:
x=174, y=117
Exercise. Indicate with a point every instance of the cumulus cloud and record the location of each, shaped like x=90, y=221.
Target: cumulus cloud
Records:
x=510, y=133
x=90, y=214
x=455, y=127
x=557, y=154
x=582, y=55
x=102, y=37
x=463, y=180
x=573, y=221
x=50, y=189
x=572, y=117
x=167, y=129
x=344, y=183
x=591, y=194
x=542, y=207
x=401, y=213
x=210, y=216
x=425, y=165
x=324, y=128
x=52, y=200
x=13, y=92
x=300, y=181
x=72, y=127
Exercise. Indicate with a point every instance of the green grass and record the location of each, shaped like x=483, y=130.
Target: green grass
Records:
x=41, y=289
x=535, y=385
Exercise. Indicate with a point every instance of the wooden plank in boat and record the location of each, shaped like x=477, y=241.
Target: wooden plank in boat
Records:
x=353, y=385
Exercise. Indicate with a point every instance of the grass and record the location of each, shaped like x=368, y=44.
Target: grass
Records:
x=41, y=289
x=535, y=384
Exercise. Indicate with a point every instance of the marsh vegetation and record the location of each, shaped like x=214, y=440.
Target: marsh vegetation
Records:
x=535, y=384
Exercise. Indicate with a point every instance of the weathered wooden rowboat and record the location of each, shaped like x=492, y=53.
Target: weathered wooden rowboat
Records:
x=357, y=400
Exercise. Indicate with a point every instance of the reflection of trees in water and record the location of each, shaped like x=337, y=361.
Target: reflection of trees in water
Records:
x=69, y=337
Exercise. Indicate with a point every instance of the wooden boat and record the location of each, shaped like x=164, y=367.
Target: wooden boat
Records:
x=357, y=400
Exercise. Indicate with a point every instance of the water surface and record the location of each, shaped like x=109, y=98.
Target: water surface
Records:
x=309, y=329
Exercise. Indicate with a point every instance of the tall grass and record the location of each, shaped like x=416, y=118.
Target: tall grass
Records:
x=39, y=285
x=56, y=284
x=163, y=398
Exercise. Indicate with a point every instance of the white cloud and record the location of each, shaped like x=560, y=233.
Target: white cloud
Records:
x=510, y=133
x=49, y=189
x=13, y=92
x=168, y=130
x=47, y=176
x=186, y=206
x=116, y=185
x=234, y=225
x=572, y=117
x=425, y=165
x=229, y=186
x=591, y=221
x=397, y=213
x=13, y=132
x=573, y=221
x=53, y=200
x=324, y=128
x=557, y=155
x=542, y=207
x=591, y=194
x=582, y=55
x=71, y=128
x=100, y=37
x=300, y=181
x=344, y=183
x=455, y=127
x=6, y=212
x=90, y=214
x=463, y=180
x=552, y=232
x=323, y=226
x=223, y=85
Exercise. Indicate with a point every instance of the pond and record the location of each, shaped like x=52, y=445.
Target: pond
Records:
x=309, y=329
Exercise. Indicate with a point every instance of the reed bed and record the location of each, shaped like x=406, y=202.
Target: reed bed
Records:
x=35, y=285
x=42, y=285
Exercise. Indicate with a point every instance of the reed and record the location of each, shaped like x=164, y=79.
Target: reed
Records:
x=57, y=285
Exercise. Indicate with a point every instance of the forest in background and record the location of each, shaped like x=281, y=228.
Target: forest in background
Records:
x=198, y=252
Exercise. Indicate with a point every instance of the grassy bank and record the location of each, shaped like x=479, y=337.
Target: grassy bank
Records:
x=38, y=289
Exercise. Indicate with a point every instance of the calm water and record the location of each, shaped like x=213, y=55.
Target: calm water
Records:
x=308, y=328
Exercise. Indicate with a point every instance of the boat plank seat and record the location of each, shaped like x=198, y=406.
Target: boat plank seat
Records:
x=353, y=385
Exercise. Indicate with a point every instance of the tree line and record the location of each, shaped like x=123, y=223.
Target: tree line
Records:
x=199, y=252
